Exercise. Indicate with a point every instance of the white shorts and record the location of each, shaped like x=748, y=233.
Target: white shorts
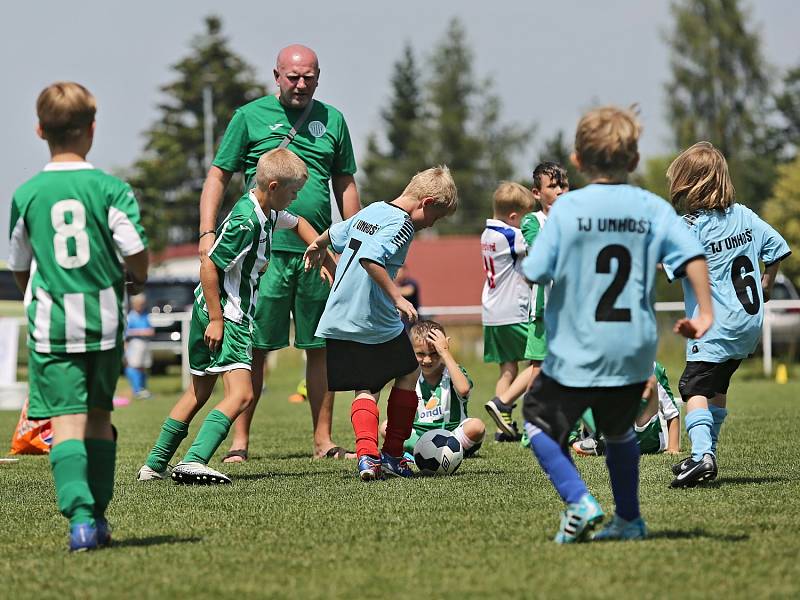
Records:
x=137, y=354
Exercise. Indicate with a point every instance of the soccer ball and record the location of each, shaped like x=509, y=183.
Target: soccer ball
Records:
x=438, y=452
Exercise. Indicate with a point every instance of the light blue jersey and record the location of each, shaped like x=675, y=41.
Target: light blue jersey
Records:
x=600, y=249
x=358, y=309
x=735, y=241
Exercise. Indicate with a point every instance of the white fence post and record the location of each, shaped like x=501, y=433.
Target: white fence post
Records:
x=766, y=340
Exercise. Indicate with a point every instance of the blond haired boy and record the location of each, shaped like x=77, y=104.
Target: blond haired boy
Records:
x=600, y=250
x=506, y=296
x=74, y=220
x=220, y=336
x=366, y=342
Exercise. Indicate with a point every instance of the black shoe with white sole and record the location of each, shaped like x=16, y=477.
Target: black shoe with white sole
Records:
x=696, y=472
x=678, y=468
x=501, y=415
x=195, y=473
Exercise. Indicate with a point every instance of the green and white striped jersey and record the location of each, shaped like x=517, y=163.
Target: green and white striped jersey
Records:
x=440, y=406
x=69, y=225
x=241, y=253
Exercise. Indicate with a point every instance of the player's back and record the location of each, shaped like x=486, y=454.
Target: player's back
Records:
x=76, y=220
x=600, y=248
x=735, y=241
x=506, y=295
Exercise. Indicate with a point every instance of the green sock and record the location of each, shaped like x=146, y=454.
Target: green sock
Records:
x=69, y=463
x=212, y=433
x=102, y=458
x=171, y=436
x=588, y=420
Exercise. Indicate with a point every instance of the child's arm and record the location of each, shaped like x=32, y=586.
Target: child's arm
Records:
x=673, y=436
x=458, y=380
x=309, y=235
x=697, y=274
x=21, y=278
x=136, y=265
x=381, y=277
x=316, y=251
x=209, y=280
x=768, y=279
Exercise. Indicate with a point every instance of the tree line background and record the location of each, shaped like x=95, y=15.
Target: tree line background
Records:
x=720, y=89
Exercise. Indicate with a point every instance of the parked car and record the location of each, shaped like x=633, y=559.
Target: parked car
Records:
x=166, y=298
x=785, y=321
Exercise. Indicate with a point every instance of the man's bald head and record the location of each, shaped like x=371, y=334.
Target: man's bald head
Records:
x=297, y=75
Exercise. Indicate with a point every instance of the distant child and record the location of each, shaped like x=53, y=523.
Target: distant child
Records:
x=735, y=240
x=138, y=357
x=220, y=335
x=657, y=405
x=506, y=296
x=443, y=389
x=410, y=290
x=549, y=182
x=74, y=221
x=600, y=250
x=366, y=344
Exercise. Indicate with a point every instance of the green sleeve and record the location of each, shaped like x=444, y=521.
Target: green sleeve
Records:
x=233, y=147
x=661, y=376
x=14, y=217
x=530, y=228
x=344, y=162
x=235, y=237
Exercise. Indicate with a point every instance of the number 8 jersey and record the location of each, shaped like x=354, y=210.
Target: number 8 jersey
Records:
x=69, y=225
x=735, y=241
x=600, y=249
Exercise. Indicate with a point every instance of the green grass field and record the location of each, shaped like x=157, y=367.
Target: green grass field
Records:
x=293, y=527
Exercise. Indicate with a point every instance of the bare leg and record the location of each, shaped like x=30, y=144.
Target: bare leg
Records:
x=241, y=426
x=320, y=400
x=508, y=372
x=194, y=398
x=519, y=385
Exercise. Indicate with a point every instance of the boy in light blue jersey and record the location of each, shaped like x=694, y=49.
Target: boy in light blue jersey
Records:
x=367, y=345
x=600, y=250
x=735, y=240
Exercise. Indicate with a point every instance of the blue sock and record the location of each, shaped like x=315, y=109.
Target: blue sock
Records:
x=718, y=414
x=134, y=379
x=561, y=471
x=622, y=460
x=698, y=426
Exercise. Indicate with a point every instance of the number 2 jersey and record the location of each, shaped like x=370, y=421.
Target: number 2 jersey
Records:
x=735, y=240
x=506, y=296
x=69, y=225
x=600, y=249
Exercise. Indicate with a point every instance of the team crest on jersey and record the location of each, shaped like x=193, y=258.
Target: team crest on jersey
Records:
x=317, y=129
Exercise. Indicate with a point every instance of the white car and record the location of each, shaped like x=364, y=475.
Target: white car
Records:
x=785, y=321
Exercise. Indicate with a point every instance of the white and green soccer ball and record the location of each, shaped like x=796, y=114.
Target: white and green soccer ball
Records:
x=438, y=452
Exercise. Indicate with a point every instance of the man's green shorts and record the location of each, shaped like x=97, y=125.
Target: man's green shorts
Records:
x=536, y=348
x=504, y=343
x=71, y=384
x=236, y=351
x=287, y=288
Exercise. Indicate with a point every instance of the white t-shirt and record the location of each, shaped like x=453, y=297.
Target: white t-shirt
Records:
x=506, y=294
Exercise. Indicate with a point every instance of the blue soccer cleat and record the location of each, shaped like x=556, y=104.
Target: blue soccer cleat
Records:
x=82, y=537
x=620, y=529
x=369, y=468
x=578, y=520
x=103, y=532
x=395, y=467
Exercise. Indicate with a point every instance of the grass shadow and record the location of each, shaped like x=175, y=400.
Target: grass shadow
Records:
x=259, y=476
x=155, y=540
x=746, y=481
x=675, y=534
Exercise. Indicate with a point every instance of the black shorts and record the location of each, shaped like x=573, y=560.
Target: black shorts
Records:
x=555, y=408
x=354, y=366
x=706, y=378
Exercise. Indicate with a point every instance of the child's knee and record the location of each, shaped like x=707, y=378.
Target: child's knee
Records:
x=474, y=429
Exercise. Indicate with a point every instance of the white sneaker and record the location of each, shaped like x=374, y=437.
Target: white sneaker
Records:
x=197, y=473
x=148, y=474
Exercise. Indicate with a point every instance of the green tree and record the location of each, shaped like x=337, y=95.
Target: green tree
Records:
x=169, y=176
x=719, y=90
x=782, y=211
x=652, y=175
x=556, y=149
x=788, y=105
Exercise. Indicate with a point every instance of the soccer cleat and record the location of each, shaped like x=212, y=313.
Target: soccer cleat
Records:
x=369, y=468
x=196, y=473
x=395, y=467
x=148, y=474
x=589, y=447
x=696, y=471
x=681, y=466
x=578, y=520
x=525, y=441
x=82, y=537
x=409, y=457
x=103, y=532
x=501, y=415
x=620, y=529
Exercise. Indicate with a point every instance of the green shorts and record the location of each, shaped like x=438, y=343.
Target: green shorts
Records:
x=286, y=288
x=71, y=384
x=236, y=351
x=650, y=437
x=536, y=347
x=504, y=343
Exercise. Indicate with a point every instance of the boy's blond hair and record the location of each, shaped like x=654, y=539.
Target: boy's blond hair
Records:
x=281, y=165
x=512, y=197
x=436, y=183
x=606, y=141
x=419, y=331
x=66, y=110
x=699, y=179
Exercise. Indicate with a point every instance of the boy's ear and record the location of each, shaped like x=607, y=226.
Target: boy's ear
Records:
x=39, y=130
x=513, y=215
x=272, y=185
x=573, y=158
x=537, y=193
x=427, y=200
x=92, y=129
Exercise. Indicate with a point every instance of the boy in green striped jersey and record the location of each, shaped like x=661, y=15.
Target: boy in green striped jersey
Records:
x=220, y=336
x=69, y=224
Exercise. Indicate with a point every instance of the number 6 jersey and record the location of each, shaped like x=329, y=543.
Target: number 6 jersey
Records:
x=735, y=241
x=600, y=249
x=69, y=225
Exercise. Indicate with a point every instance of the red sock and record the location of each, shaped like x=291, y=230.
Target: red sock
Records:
x=364, y=417
x=402, y=407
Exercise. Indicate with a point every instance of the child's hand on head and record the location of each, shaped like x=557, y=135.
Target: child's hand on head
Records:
x=439, y=340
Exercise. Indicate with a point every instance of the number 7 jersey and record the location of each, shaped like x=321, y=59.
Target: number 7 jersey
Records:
x=600, y=249
x=69, y=225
